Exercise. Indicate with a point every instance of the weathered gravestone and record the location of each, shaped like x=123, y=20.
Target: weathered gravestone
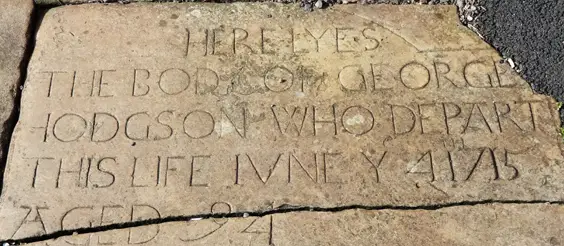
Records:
x=467, y=225
x=145, y=111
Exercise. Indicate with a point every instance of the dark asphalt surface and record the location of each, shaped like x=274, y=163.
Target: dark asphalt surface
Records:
x=531, y=33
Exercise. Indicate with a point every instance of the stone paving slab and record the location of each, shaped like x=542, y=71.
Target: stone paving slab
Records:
x=14, y=25
x=468, y=225
x=167, y=109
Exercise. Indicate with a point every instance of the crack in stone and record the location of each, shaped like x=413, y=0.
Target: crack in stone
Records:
x=282, y=209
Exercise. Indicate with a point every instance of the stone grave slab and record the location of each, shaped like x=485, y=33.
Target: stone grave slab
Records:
x=146, y=111
x=498, y=224
x=14, y=23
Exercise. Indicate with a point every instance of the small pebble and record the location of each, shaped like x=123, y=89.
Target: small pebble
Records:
x=511, y=63
x=245, y=215
x=308, y=7
x=319, y=4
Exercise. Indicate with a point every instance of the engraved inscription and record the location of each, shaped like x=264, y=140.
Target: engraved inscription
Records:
x=208, y=113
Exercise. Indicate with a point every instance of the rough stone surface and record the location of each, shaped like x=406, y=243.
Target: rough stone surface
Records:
x=14, y=23
x=467, y=225
x=156, y=110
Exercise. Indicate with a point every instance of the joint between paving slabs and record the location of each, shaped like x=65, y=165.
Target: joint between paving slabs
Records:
x=277, y=210
x=10, y=124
